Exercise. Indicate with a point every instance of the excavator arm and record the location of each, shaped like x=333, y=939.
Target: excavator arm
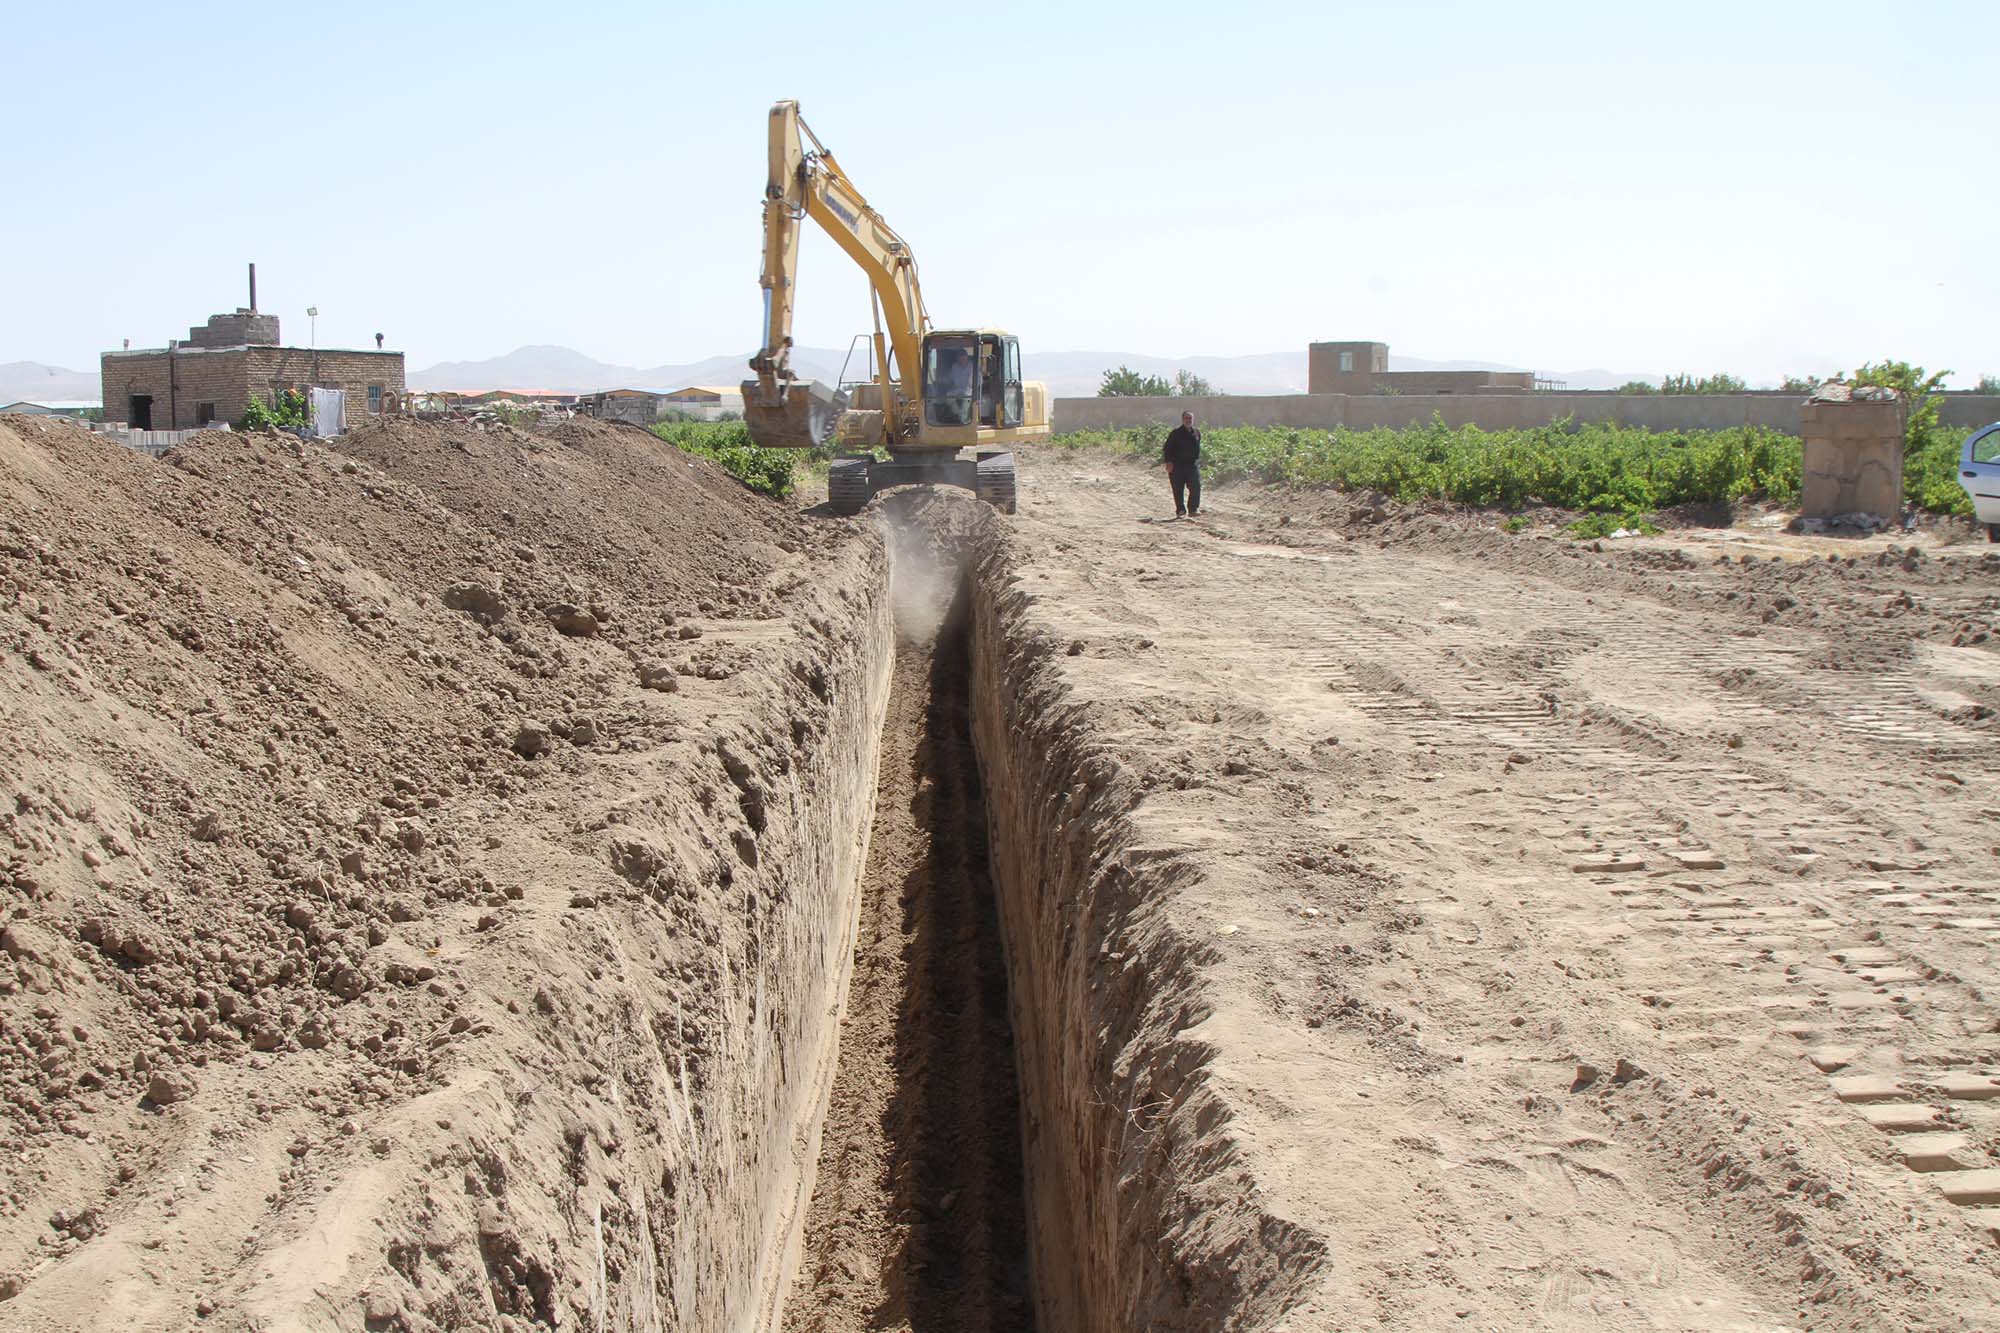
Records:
x=806, y=181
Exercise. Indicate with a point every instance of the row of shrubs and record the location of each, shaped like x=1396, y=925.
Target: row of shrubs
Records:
x=1601, y=468
x=771, y=472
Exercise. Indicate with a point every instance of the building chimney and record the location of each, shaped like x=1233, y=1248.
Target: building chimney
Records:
x=253, y=289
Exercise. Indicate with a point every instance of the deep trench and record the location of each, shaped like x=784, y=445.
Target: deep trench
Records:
x=918, y=1218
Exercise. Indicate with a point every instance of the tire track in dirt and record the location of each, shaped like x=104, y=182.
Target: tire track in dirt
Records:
x=1811, y=957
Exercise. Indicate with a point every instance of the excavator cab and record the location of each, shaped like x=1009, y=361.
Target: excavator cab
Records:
x=972, y=379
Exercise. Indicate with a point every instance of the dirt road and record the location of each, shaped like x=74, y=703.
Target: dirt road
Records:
x=1600, y=937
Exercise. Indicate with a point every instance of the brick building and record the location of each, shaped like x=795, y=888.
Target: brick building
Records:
x=640, y=407
x=232, y=359
x=644, y=407
x=1363, y=368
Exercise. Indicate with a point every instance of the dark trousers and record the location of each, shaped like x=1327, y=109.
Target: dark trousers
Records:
x=1186, y=481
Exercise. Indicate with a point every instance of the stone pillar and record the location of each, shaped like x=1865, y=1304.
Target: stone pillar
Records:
x=1853, y=455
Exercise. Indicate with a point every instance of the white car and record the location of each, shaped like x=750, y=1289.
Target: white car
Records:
x=1979, y=473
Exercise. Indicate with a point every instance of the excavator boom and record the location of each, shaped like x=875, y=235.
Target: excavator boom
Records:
x=804, y=181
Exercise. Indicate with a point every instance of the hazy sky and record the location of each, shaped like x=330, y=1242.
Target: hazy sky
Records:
x=1755, y=187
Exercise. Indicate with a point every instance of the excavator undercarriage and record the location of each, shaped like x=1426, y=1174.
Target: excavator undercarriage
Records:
x=855, y=479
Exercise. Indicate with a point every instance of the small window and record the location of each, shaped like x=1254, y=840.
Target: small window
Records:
x=375, y=400
x=1986, y=449
x=204, y=413
x=1347, y=363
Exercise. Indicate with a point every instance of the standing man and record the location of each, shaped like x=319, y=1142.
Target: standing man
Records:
x=1182, y=455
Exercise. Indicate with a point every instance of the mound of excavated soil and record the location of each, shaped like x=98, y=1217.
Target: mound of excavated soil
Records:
x=314, y=762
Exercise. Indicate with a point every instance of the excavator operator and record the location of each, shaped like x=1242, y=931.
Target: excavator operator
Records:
x=951, y=386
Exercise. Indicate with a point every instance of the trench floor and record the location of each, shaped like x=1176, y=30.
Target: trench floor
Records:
x=917, y=1219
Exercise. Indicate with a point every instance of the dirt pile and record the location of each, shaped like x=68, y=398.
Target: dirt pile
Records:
x=328, y=772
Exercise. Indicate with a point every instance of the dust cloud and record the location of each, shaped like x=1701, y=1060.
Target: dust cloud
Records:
x=927, y=563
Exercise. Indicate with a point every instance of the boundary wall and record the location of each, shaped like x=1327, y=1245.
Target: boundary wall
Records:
x=152, y=443
x=1328, y=411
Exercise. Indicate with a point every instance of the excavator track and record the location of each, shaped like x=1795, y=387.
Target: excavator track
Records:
x=996, y=481
x=847, y=486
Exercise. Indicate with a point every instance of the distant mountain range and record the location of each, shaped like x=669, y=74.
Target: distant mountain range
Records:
x=565, y=370
x=1068, y=374
x=33, y=382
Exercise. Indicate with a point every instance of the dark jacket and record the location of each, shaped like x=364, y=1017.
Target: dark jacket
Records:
x=1183, y=447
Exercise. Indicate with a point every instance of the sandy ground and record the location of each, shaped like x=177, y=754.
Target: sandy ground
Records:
x=1592, y=935
x=1603, y=936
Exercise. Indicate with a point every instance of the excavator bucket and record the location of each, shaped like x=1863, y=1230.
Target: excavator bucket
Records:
x=803, y=417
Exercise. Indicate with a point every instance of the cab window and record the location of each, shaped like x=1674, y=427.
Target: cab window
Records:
x=1010, y=401
x=951, y=381
x=990, y=380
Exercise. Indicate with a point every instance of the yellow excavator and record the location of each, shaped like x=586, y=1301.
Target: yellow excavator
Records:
x=935, y=392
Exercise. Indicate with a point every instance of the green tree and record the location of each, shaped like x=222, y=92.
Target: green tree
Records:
x=1125, y=382
x=1987, y=384
x=287, y=413
x=1716, y=383
x=1918, y=389
x=1637, y=386
x=1801, y=383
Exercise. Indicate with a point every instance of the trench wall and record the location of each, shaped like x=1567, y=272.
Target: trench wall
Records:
x=1495, y=411
x=636, y=1154
x=688, y=1019
x=1143, y=1212
x=809, y=957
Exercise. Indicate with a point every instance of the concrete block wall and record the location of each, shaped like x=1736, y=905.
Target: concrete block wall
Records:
x=1518, y=411
x=1969, y=411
